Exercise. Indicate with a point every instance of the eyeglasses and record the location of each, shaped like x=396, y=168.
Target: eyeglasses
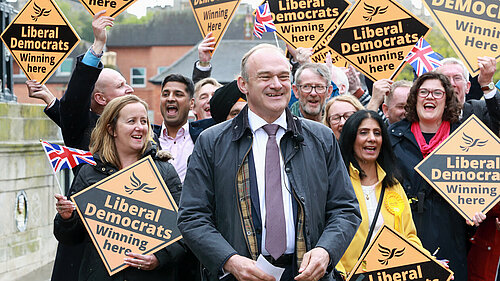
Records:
x=457, y=78
x=320, y=89
x=437, y=93
x=335, y=118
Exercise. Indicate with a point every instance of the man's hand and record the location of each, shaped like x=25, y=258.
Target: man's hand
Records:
x=245, y=269
x=205, y=49
x=314, y=264
x=300, y=55
x=381, y=88
x=487, y=67
x=99, y=24
x=39, y=91
x=353, y=78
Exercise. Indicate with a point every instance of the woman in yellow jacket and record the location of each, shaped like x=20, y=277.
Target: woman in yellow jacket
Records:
x=368, y=155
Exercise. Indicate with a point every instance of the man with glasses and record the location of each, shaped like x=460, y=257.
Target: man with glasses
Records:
x=312, y=86
x=487, y=109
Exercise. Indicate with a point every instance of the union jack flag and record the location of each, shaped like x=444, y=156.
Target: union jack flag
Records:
x=63, y=157
x=263, y=21
x=422, y=58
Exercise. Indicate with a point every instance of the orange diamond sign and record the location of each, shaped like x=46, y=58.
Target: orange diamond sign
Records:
x=471, y=27
x=39, y=39
x=321, y=49
x=214, y=16
x=465, y=168
x=113, y=7
x=129, y=211
x=376, y=36
x=391, y=257
x=302, y=23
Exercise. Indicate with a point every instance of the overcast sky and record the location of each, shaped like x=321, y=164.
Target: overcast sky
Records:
x=139, y=8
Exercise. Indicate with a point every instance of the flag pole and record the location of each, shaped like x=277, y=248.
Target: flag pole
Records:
x=276, y=38
x=53, y=173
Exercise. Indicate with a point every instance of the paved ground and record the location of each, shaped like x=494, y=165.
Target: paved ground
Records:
x=42, y=274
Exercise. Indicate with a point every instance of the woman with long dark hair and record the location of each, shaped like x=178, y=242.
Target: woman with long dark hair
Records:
x=369, y=159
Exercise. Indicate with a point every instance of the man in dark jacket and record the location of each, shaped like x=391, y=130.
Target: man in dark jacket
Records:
x=225, y=215
x=487, y=109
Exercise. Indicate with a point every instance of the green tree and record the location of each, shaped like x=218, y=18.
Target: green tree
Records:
x=79, y=18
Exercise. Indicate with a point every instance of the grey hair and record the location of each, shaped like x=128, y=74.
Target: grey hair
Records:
x=459, y=62
x=318, y=68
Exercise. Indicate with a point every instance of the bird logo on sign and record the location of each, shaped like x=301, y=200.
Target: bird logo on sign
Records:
x=373, y=11
x=137, y=185
x=389, y=253
x=39, y=12
x=471, y=142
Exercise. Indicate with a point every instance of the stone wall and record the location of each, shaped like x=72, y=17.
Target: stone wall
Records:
x=24, y=169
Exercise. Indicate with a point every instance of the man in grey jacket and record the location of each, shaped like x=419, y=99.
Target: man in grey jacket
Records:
x=225, y=216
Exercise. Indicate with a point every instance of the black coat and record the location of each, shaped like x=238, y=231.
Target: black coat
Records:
x=72, y=113
x=77, y=121
x=438, y=223
x=72, y=231
x=487, y=110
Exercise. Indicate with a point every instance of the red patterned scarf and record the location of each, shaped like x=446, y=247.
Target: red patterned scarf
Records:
x=442, y=133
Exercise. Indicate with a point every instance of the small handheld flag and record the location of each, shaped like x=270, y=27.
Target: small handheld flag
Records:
x=62, y=157
x=422, y=58
x=263, y=21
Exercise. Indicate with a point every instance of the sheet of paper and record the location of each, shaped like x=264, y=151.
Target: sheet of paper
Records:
x=268, y=268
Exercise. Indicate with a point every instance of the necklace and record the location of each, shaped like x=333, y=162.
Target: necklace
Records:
x=367, y=189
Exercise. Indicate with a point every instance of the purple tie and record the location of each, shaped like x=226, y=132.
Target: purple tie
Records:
x=275, y=216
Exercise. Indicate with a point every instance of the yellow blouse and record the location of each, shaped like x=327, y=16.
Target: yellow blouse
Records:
x=405, y=226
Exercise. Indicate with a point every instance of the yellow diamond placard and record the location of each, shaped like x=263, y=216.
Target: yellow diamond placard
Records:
x=113, y=7
x=471, y=27
x=391, y=257
x=376, y=36
x=214, y=16
x=321, y=49
x=465, y=168
x=302, y=23
x=129, y=211
x=39, y=39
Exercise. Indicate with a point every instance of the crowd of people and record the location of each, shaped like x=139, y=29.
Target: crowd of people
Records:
x=303, y=184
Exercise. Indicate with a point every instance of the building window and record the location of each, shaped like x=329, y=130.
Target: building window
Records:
x=17, y=71
x=161, y=69
x=138, y=77
x=65, y=67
